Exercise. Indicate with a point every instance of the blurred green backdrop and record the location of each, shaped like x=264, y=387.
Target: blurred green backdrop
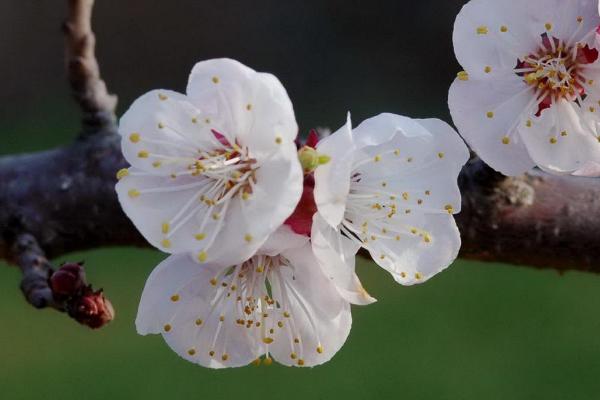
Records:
x=477, y=331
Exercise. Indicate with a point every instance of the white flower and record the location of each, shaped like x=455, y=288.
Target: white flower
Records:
x=278, y=304
x=391, y=187
x=530, y=91
x=215, y=171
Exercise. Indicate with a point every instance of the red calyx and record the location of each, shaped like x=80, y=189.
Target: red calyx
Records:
x=301, y=219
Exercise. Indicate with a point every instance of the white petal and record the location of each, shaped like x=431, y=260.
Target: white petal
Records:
x=414, y=258
x=255, y=106
x=418, y=167
x=492, y=33
x=162, y=132
x=562, y=143
x=319, y=318
x=332, y=180
x=337, y=256
x=194, y=316
x=486, y=113
x=590, y=170
x=281, y=240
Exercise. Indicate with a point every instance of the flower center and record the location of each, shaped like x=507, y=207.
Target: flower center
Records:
x=230, y=167
x=556, y=71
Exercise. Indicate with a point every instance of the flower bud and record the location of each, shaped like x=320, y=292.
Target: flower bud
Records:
x=92, y=309
x=310, y=159
x=68, y=281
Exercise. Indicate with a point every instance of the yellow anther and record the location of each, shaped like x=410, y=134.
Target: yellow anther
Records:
x=122, y=173
x=248, y=238
x=245, y=195
x=403, y=274
x=249, y=107
x=397, y=152
x=259, y=269
x=397, y=237
x=216, y=216
x=504, y=29
x=293, y=356
x=428, y=193
x=553, y=140
x=156, y=164
x=256, y=362
x=286, y=314
x=462, y=76
x=161, y=125
x=166, y=243
x=267, y=340
x=564, y=133
x=418, y=276
x=487, y=69
x=449, y=208
x=505, y=140
x=162, y=97
x=191, y=352
x=202, y=256
x=167, y=328
x=548, y=26
x=320, y=349
x=165, y=227
x=377, y=158
x=278, y=140
x=199, y=322
x=427, y=238
x=592, y=109
x=211, y=353
x=135, y=137
x=222, y=318
x=175, y=298
x=200, y=236
x=580, y=19
x=133, y=193
x=413, y=231
x=143, y=154
x=280, y=324
x=194, y=120
x=490, y=114
x=215, y=79
x=409, y=159
x=528, y=123
x=301, y=362
x=482, y=30
x=440, y=155
x=213, y=282
x=405, y=196
x=224, y=357
x=268, y=361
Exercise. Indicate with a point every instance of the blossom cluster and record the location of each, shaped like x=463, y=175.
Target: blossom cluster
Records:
x=263, y=231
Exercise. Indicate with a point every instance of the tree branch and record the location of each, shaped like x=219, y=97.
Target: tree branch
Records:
x=89, y=90
x=63, y=200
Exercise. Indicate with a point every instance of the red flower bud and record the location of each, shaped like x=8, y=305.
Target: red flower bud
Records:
x=68, y=281
x=92, y=309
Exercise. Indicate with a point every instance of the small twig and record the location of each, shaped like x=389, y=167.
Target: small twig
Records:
x=89, y=90
x=36, y=272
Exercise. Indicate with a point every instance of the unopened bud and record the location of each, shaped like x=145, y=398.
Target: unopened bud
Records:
x=92, y=309
x=68, y=281
x=310, y=159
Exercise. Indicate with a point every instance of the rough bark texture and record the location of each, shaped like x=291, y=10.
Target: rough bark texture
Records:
x=63, y=200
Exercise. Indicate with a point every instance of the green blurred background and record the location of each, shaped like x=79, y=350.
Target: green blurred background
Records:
x=477, y=331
